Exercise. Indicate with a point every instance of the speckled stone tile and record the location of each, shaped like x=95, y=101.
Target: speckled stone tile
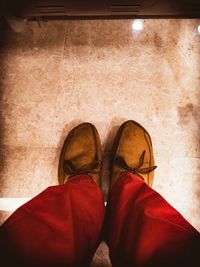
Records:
x=61, y=73
x=22, y=168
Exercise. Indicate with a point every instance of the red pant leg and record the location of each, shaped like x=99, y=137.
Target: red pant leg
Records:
x=144, y=230
x=59, y=227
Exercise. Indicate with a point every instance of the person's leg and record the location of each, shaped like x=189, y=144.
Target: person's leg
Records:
x=144, y=230
x=59, y=227
x=62, y=225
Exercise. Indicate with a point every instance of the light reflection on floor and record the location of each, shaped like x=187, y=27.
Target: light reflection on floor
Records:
x=11, y=204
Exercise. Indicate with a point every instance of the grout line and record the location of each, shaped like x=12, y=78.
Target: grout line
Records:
x=64, y=41
x=62, y=53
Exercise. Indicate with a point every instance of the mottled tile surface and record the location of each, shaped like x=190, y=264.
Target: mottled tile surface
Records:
x=65, y=72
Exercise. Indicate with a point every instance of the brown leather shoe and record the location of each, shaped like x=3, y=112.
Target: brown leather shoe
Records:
x=132, y=152
x=81, y=154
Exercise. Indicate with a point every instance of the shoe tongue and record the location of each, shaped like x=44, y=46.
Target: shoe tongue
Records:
x=71, y=168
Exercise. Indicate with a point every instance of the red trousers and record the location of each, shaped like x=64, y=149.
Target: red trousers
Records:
x=63, y=226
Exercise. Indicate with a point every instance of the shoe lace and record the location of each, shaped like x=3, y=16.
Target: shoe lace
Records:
x=71, y=169
x=138, y=170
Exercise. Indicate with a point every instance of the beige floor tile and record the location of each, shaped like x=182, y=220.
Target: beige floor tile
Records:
x=62, y=73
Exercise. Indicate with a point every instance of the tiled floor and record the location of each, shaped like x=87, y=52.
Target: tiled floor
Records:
x=60, y=73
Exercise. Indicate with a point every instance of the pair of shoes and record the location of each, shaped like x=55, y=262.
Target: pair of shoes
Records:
x=82, y=153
